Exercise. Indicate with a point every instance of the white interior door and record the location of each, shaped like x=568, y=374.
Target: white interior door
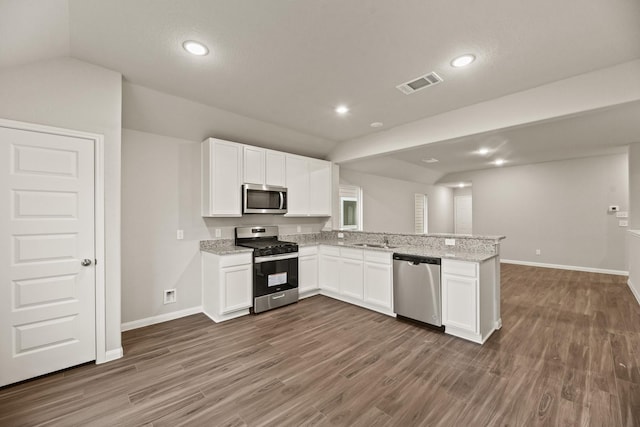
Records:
x=47, y=228
x=463, y=214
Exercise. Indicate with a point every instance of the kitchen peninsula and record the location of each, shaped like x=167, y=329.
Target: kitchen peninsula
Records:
x=356, y=267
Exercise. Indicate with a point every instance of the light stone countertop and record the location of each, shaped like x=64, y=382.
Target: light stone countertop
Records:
x=226, y=250
x=412, y=250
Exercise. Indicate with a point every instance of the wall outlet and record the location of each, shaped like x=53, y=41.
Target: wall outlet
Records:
x=180, y=234
x=622, y=214
x=538, y=252
x=450, y=242
x=623, y=223
x=170, y=296
x=218, y=232
x=340, y=235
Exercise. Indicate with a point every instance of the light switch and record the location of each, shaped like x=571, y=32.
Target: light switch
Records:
x=218, y=232
x=180, y=234
x=450, y=242
x=622, y=214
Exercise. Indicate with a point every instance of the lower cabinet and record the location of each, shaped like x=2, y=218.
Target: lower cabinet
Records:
x=469, y=298
x=351, y=279
x=226, y=285
x=308, y=271
x=357, y=276
x=378, y=280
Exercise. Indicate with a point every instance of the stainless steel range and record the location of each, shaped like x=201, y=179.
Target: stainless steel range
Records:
x=275, y=267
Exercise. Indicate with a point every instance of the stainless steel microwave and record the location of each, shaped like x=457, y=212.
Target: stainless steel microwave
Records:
x=264, y=199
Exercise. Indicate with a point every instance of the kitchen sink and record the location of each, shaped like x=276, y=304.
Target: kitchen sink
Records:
x=374, y=245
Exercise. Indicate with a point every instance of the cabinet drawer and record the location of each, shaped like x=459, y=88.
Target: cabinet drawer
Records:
x=330, y=250
x=236, y=259
x=351, y=253
x=379, y=257
x=307, y=250
x=460, y=268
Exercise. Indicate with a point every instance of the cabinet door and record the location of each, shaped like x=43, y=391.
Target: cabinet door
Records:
x=351, y=280
x=254, y=162
x=378, y=288
x=275, y=168
x=221, y=178
x=320, y=188
x=308, y=273
x=235, y=289
x=329, y=273
x=297, y=172
x=460, y=302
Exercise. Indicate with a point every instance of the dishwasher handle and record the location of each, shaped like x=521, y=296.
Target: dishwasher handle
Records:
x=416, y=259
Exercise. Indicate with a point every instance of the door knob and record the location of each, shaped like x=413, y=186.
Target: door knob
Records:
x=86, y=262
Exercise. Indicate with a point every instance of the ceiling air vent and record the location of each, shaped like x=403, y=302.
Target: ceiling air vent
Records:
x=419, y=83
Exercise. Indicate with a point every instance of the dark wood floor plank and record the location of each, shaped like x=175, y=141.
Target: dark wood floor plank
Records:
x=568, y=354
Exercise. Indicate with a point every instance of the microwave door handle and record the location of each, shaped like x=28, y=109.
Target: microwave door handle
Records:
x=281, y=199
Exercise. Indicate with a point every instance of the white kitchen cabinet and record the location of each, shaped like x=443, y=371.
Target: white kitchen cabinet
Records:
x=297, y=173
x=254, y=165
x=469, y=298
x=351, y=274
x=378, y=280
x=226, y=285
x=275, y=168
x=319, y=188
x=264, y=167
x=357, y=276
x=329, y=269
x=309, y=186
x=221, y=178
x=308, y=271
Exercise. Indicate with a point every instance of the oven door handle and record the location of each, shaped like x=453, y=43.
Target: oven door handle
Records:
x=268, y=258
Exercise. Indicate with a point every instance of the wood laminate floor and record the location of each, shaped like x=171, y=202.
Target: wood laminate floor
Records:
x=568, y=354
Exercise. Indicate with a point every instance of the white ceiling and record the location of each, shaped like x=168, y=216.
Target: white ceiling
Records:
x=289, y=63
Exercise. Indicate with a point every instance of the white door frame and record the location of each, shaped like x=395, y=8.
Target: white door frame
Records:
x=455, y=211
x=98, y=141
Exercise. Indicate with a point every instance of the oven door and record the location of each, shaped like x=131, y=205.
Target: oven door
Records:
x=275, y=273
x=264, y=199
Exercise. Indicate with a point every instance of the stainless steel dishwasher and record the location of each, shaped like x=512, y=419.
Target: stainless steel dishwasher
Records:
x=416, y=288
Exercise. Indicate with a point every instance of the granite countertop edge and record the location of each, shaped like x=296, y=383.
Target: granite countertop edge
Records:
x=227, y=250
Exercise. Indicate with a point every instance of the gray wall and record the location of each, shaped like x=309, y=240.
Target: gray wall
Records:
x=634, y=186
x=389, y=203
x=75, y=95
x=558, y=207
x=161, y=194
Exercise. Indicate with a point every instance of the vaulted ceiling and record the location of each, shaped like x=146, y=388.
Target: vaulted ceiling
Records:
x=290, y=63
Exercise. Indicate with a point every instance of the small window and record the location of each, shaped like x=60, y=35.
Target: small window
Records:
x=350, y=208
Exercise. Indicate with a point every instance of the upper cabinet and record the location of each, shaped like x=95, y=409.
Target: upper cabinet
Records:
x=309, y=186
x=264, y=167
x=221, y=178
x=227, y=165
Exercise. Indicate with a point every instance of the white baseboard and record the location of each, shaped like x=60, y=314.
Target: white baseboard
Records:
x=160, y=318
x=566, y=267
x=635, y=292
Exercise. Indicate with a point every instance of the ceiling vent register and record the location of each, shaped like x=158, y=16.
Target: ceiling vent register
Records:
x=420, y=83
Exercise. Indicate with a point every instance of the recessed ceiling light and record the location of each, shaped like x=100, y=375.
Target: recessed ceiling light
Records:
x=463, y=61
x=195, y=48
x=342, y=109
x=431, y=160
x=498, y=162
x=483, y=151
x=461, y=185
x=376, y=124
